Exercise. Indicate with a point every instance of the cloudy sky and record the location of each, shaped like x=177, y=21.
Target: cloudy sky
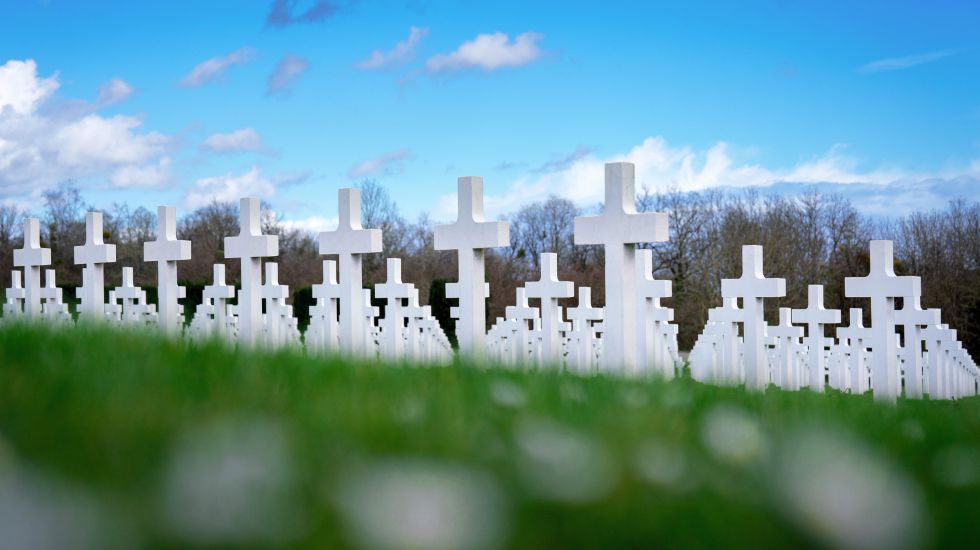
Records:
x=179, y=102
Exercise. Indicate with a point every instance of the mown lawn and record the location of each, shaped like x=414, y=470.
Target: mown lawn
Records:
x=122, y=439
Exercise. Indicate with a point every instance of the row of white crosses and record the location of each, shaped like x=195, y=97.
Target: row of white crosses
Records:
x=927, y=357
x=261, y=314
x=632, y=334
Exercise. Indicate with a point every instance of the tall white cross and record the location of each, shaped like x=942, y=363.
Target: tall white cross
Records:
x=414, y=312
x=582, y=316
x=727, y=318
x=93, y=254
x=274, y=295
x=858, y=336
x=651, y=345
x=250, y=246
x=618, y=229
x=549, y=290
x=912, y=318
x=522, y=313
x=31, y=257
x=218, y=294
x=882, y=286
x=349, y=241
x=167, y=251
x=470, y=236
x=815, y=317
x=129, y=294
x=323, y=329
x=752, y=288
x=53, y=307
x=785, y=337
x=15, y=295
x=393, y=291
x=934, y=336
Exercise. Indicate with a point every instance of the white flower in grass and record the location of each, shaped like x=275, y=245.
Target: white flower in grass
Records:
x=563, y=464
x=507, y=394
x=846, y=495
x=416, y=504
x=38, y=513
x=232, y=482
x=664, y=463
x=733, y=435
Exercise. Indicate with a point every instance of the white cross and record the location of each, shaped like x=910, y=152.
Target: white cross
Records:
x=936, y=338
x=15, y=296
x=53, y=306
x=218, y=294
x=415, y=313
x=752, y=288
x=275, y=296
x=912, y=317
x=93, y=254
x=31, y=257
x=549, y=290
x=129, y=294
x=651, y=316
x=167, y=251
x=582, y=336
x=250, y=246
x=470, y=236
x=393, y=291
x=349, y=241
x=323, y=329
x=618, y=229
x=369, y=332
x=522, y=313
x=785, y=336
x=113, y=310
x=815, y=317
x=858, y=337
x=726, y=317
x=882, y=287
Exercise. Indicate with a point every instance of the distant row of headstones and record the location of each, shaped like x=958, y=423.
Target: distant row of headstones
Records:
x=631, y=335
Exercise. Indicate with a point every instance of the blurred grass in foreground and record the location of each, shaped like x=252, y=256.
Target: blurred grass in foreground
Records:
x=119, y=439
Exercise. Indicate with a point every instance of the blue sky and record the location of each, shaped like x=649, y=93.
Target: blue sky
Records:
x=185, y=102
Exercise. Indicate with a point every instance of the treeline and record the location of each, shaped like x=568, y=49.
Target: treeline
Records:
x=808, y=239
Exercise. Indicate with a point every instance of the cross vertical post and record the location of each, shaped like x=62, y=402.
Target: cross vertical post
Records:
x=166, y=251
x=32, y=257
x=250, y=246
x=882, y=286
x=618, y=229
x=815, y=317
x=470, y=236
x=349, y=242
x=93, y=254
x=752, y=287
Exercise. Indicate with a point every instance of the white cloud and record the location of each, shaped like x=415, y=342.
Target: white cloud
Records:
x=243, y=139
x=489, y=52
x=286, y=72
x=150, y=175
x=387, y=164
x=40, y=147
x=229, y=188
x=402, y=51
x=899, y=63
x=215, y=67
x=97, y=141
x=663, y=167
x=314, y=224
x=114, y=91
x=20, y=89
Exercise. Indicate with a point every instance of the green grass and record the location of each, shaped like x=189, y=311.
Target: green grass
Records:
x=153, y=443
